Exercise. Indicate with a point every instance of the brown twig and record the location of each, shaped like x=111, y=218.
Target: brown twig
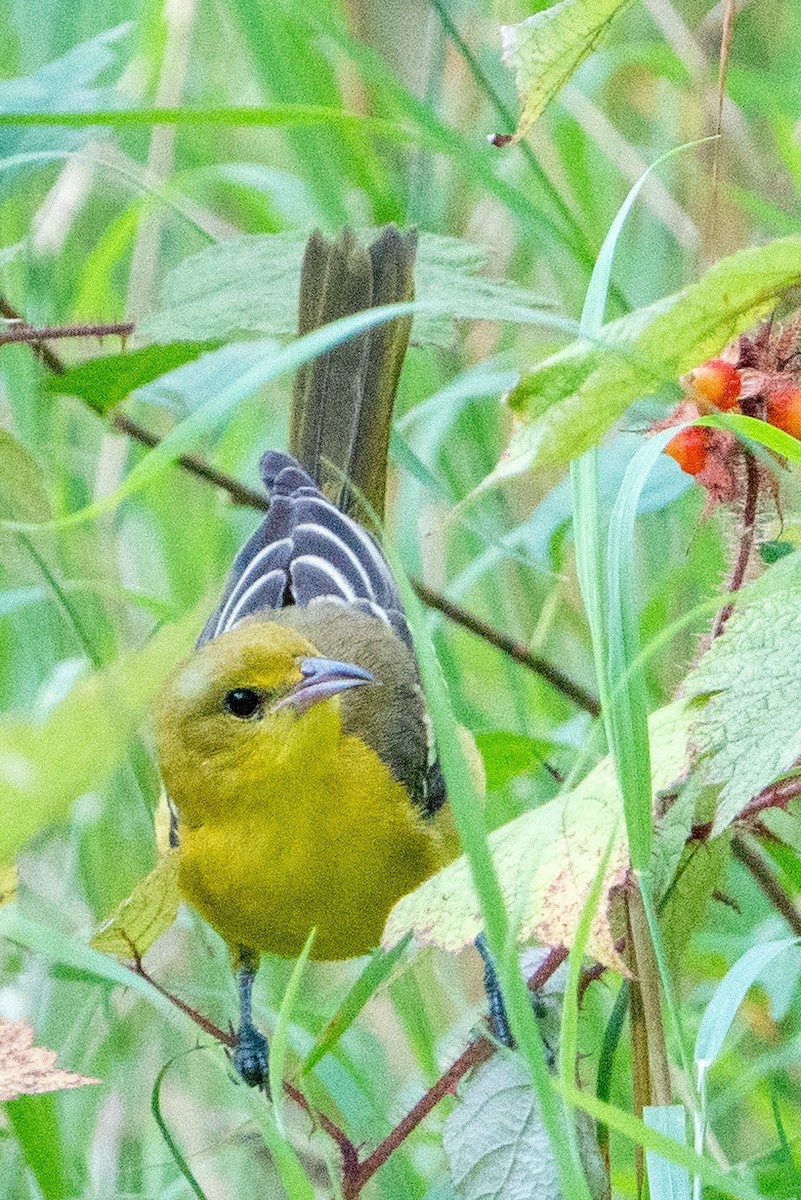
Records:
x=514, y=649
x=239, y=492
x=752, y=860
x=26, y=333
x=477, y=1052
x=775, y=795
x=746, y=542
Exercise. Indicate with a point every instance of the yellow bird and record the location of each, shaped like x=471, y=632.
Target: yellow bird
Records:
x=294, y=744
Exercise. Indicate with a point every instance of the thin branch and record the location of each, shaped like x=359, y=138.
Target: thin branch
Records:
x=648, y=985
x=746, y=541
x=241, y=494
x=26, y=333
x=775, y=795
x=477, y=1052
x=752, y=860
x=514, y=649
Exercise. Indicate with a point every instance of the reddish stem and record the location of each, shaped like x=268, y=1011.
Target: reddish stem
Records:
x=746, y=544
x=26, y=333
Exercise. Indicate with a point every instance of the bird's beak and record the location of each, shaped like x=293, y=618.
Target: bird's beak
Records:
x=321, y=679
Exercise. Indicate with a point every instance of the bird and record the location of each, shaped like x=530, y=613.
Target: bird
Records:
x=294, y=743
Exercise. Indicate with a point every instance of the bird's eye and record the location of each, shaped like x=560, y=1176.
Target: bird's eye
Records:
x=243, y=703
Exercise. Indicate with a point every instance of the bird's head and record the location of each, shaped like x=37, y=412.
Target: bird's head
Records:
x=242, y=709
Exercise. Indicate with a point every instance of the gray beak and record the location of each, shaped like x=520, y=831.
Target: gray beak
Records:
x=322, y=679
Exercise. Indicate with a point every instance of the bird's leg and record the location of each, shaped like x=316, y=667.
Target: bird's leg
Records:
x=499, y=1021
x=497, y=1009
x=251, y=1050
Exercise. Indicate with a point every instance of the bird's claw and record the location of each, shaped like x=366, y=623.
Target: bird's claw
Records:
x=250, y=1058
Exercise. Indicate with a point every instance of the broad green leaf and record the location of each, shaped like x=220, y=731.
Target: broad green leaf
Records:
x=143, y=916
x=497, y=1145
x=545, y=50
x=45, y=766
x=105, y=382
x=747, y=726
x=506, y=755
x=569, y=401
x=250, y=284
x=729, y=995
x=495, y=1140
x=547, y=861
x=667, y=1180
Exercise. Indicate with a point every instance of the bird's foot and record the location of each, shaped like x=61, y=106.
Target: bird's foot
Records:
x=250, y=1057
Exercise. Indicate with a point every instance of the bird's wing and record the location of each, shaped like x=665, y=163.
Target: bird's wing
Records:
x=305, y=550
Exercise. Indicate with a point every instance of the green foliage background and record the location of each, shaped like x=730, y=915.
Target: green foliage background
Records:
x=94, y=216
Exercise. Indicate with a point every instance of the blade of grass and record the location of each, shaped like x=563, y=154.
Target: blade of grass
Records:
x=172, y=1145
x=211, y=416
x=667, y=1180
x=280, y=1038
x=379, y=968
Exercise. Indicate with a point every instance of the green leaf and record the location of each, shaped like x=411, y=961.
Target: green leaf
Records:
x=729, y=995
x=667, y=1180
x=45, y=766
x=547, y=861
x=545, y=50
x=506, y=755
x=497, y=1145
x=569, y=401
x=747, y=725
x=495, y=1140
x=250, y=284
x=104, y=382
x=142, y=917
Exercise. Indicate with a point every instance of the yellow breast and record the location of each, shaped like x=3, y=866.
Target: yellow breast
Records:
x=331, y=848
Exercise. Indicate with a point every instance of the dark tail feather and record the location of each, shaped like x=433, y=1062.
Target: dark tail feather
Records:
x=343, y=400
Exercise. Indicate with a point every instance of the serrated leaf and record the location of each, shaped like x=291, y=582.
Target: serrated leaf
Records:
x=45, y=765
x=747, y=726
x=28, y=1070
x=250, y=284
x=545, y=50
x=148, y=912
x=569, y=401
x=547, y=861
x=105, y=382
x=496, y=1142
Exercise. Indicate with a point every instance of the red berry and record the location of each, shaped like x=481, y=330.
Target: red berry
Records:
x=717, y=382
x=784, y=408
x=689, y=448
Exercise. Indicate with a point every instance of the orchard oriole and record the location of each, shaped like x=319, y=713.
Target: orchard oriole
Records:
x=294, y=744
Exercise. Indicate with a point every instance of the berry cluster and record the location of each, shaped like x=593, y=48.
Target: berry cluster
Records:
x=757, y=376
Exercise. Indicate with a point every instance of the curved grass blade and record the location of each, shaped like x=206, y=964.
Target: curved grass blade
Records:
x=379, y=968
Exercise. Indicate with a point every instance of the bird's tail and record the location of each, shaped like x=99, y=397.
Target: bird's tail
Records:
x=343, y=400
